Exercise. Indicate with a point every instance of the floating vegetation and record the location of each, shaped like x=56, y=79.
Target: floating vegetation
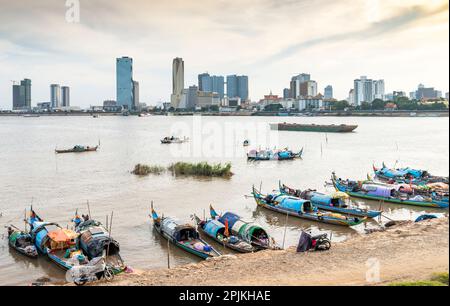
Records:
x=437, y=279
x=141, y=169
x=201, y=169
x=189, y=169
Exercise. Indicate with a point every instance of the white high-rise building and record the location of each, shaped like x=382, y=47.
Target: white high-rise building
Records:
x=367, y=90
x=177, y=82
x=379, y=89
x=136, y=95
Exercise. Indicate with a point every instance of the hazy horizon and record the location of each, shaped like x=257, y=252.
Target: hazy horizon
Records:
x=404, y=42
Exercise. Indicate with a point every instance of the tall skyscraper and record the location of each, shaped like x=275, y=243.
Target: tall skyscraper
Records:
x=296, y=82
x=65, y=96
x=378, y=87
x=286, y=93
x=232, y=86
x=124, y=82
x=202, y=79
x=237, y=87
x=367, y=90
x=136, y=95
x=22, y=95
x=243, y=87
x=208, y=83
x=177, y=82
x=26, y=83
x=328, y=92
x=424, y=93
x=308, y=89
x=55, y=95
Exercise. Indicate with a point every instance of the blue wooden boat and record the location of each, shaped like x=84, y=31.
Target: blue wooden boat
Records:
x=22, y=242
x=249, y=232
x=334, y=203
x=264, y=155
x=388, y=194
x=57, y=243
x=407, y=175
x=184, y=236
x=301, y=208
x=95, y=241
x=221, y=234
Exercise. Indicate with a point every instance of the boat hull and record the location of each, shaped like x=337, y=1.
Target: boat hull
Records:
x=313, y=128
x=225, y=244
x=306, y=216
x=432, y=204
x=182, y=246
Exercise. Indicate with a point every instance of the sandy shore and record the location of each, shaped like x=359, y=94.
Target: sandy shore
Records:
x=412, y=251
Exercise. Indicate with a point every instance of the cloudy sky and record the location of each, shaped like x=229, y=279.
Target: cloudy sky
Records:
x=406, y=42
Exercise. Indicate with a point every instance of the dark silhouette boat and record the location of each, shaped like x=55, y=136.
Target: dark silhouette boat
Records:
x=323, y=128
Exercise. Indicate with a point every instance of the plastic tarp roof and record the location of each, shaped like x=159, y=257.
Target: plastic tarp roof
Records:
x=291, y=203
x=62, y=235
x=321, y=199
x=213, y=227
x=376, y=190
x=232, y=218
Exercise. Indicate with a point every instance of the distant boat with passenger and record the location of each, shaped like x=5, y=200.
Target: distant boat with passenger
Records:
x=173, y=139
x=78, y=149
x=324, y=128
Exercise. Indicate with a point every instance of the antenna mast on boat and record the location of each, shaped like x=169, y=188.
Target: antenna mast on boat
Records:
x=89, y=209
x=109, y=231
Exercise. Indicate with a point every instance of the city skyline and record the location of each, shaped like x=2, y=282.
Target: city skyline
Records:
x=389, y=44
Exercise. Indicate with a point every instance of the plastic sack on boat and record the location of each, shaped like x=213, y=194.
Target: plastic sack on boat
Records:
x=376, y=190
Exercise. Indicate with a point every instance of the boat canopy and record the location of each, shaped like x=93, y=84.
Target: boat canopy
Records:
x=377, y=190
x=179, y=232
x=96, y=239
x=61, y=238
x=214, y=227
x=231, y=218
x=292, y=203
x=321, y=199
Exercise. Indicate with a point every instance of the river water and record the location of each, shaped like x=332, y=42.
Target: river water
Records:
x=57, y=185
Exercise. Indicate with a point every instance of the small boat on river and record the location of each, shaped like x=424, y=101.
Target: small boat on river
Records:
x=303, y=209
x=407, y=175
x=22, y=242
x=386, y=193
x=221, y=234
x=249, y=232
x=281, y=155
x=95, y=241
x=184, y=236
x=336, y=202
x=323, y=128
x=78, y=149
x=172, y=139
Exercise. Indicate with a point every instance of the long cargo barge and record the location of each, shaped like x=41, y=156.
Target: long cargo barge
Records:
x=324, y=128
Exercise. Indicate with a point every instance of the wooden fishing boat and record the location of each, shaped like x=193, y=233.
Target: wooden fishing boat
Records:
x=323, y=128
x=170, y=140
x=184, y=236
x=436, y=191
x=221, y=234
x=22, y=242
x=303, y=209
x=264, y=155
x=335, y=202
x=95, y=241
x=249, y=232
x=57, y=243
x=407, y=175
x=383, y=193
x=78, y=149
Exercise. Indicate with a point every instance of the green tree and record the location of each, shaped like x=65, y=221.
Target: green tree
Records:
x=365, y=106
x=378, y=104
x=341, y=105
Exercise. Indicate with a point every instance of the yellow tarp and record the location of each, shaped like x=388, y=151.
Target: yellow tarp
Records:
x=62, y=235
